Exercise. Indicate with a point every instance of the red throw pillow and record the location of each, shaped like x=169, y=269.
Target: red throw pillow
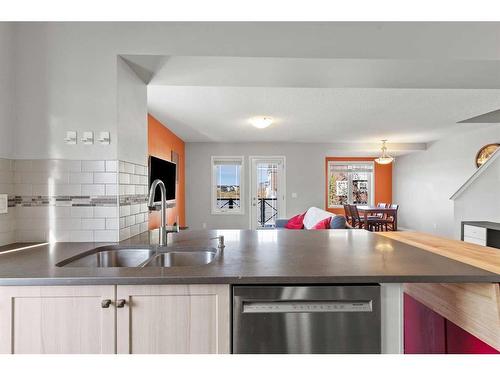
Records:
x=296, y=222
x=323, y=224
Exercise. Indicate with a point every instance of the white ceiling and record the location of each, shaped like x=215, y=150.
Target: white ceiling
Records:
x=210, y=99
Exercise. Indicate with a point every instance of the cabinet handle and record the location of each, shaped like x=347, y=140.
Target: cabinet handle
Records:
x=120, y=303
x=105, y=303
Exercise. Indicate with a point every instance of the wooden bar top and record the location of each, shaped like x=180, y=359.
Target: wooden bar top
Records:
x=486, y=258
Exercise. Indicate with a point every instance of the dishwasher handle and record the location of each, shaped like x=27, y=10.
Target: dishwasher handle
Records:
x=259, y=307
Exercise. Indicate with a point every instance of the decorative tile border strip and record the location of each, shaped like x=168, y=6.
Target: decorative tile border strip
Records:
x=63, y=200
x=133, y=199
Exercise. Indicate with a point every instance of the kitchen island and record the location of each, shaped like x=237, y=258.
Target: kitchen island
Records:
x=187, y=309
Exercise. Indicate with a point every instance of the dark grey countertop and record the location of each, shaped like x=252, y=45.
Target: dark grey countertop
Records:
x=252, y=257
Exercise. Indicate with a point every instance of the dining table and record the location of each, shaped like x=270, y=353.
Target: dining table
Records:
x=366, y=211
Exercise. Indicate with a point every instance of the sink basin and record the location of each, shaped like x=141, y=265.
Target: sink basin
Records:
x=183, y=258
x=110, y=256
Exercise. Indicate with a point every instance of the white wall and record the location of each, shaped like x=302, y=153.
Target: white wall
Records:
x=423, y=182
x=6, y=89
x=305, y=175
x=480, y=201
x=132, y=107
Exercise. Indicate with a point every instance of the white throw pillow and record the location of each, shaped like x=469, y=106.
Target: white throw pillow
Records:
x=314, y=215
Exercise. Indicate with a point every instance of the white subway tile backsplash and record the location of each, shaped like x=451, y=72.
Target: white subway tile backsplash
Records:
x=6, y=176
x=129, y=189
x=84, y=212
x=129, y=220
x=66, y=223
x=72, y=236
x=7, y=189
x=106, y=212
x=105, y=178
x=144, y=227
x=135, y=209
x=122, y=223
x=139, y=218
x=23, y=189
x=112, y=224
x=6, y=165
x=140, y=189
x=41, y=189
x=124, y=211
x=134, y=179
x=81, y=178
x=56, y=165
x=106, y=236
x=111, y=189
x=129, y=168
x=135, y=230
x=70, y=189
x=93, y=190
x=71, y=182
x=124, y=178
x=111, y=165
x=23, y=165
x=141, y=170
x=93, y=166
x=124, y=233
x=93, y=224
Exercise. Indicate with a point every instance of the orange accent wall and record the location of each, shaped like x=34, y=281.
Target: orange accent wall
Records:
x=161, y=143
x=382, y=184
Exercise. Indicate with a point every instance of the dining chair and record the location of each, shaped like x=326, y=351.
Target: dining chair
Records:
x=358, y=221
x=389, y=220
x=348, y=215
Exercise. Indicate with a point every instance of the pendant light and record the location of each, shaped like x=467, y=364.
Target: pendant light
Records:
x=384, y=158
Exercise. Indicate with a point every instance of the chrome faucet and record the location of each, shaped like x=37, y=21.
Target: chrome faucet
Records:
x=151, y=204
x=221, y=244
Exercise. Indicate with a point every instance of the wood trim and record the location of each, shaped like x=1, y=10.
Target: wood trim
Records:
x=486, y=258
x=473, y=307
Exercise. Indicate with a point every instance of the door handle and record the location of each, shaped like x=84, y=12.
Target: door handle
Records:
x=105, y=303
x=121, y=303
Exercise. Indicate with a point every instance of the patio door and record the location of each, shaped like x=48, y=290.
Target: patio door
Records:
x=267, y=191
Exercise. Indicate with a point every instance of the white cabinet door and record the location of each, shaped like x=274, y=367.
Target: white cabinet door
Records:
x=167, y=319
x=57, y=319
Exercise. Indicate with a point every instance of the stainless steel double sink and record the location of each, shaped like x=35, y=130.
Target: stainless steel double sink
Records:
x=141, y=256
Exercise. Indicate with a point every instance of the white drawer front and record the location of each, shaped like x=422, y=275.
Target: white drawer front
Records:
x=477, y=241
x=475, y=232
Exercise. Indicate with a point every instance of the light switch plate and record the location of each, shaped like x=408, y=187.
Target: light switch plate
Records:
x=104, y=138
x=88, y=138
x=70, y=138
x=4, y=207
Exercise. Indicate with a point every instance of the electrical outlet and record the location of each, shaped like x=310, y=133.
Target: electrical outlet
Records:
x=204, y=225
x=4, y=207
x=294, y=195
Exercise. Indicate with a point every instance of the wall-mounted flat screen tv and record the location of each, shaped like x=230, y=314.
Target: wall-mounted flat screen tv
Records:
x=165, y=171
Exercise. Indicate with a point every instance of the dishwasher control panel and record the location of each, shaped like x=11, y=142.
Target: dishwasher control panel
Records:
x=306, y=306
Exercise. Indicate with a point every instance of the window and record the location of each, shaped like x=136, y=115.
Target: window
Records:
x=349, y=183
x=227, y=184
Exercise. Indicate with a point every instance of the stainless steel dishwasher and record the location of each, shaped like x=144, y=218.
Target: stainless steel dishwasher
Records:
x=306, y=319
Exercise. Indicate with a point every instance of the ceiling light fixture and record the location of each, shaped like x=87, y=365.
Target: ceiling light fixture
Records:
x=384, y=158
x=261, y=122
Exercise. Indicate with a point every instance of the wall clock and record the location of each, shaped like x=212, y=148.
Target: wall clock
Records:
x=485, y=153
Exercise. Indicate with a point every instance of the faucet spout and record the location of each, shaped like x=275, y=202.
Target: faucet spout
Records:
x=151, y=204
